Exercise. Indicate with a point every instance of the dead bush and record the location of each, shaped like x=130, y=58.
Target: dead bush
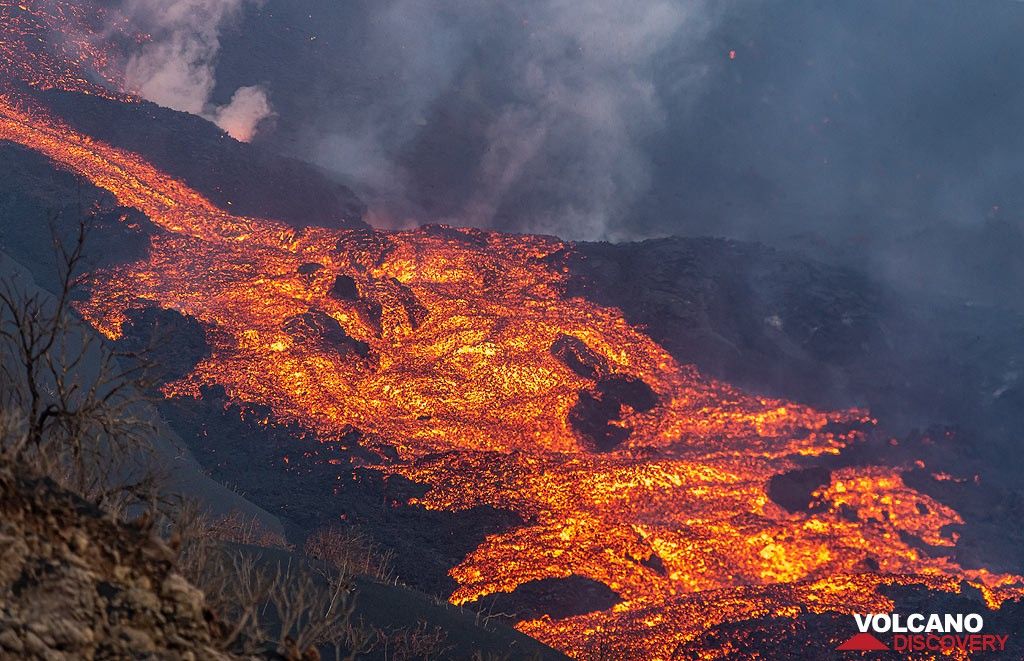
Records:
x=265, y=606
x=406, y=644
x=69, y=403
x=237, y=528
x=351, y=552
x=287, y=609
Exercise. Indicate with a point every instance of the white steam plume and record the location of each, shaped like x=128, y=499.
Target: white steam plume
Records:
x=248, y=107
x=587, y=102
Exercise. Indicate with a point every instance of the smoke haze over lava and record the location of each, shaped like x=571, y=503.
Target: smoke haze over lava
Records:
x=879, y=134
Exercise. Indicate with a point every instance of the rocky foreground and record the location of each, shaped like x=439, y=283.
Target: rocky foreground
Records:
x=76, y=584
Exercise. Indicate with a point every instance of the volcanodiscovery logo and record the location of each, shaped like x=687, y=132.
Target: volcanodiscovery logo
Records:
x=918, y=632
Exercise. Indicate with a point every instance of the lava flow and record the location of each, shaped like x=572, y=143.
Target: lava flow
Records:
x=54, y=45
x=460, y=349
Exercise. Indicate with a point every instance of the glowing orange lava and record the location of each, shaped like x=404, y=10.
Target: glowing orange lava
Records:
x=53, y=44
x=445, y=344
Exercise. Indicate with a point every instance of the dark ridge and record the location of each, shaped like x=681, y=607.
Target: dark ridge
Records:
x=238, y=177
x=39, y=201
x=787, y=326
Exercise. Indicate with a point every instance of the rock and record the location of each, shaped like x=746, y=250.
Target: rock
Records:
x=78, y=584
x=590, y=418
x=628, y=390
x=138, y=641
x=66, y=634
x=79, y=542
x=139, y=600
x=578, y=357
x=596, y=412
x=793, y=490
x=371, y=312
x=33, y=644
x=186, y=599
x=309, y=268
x=344, y=288
x=9, y=640
x=320, y=328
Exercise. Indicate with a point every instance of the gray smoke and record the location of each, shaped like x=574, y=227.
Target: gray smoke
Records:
x=176, y=67
x=559, y=97
x=886, y=134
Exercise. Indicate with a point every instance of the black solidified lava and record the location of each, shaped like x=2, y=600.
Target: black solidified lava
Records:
x=793, y=490
x=321, y=328
x=167, y=339
x=344, y=288
x=578, y=357
x=594, y=416
x=312, y=482
x=557, y=598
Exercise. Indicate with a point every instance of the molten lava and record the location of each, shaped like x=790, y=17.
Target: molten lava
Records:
x=54, y=44
x=460, y=349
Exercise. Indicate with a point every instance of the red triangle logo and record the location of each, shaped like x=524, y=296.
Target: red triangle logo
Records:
x=861, y=642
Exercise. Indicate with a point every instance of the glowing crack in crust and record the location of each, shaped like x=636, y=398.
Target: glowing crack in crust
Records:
x=460, y=349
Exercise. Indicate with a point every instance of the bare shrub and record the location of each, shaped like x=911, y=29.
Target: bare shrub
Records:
x=284, y=608
x=483, y=618
x=68, y=401
x=408, y=643
x=71, y=410
x=491, y=656
x=263, y=605
x=237, y=528
x=351, y=552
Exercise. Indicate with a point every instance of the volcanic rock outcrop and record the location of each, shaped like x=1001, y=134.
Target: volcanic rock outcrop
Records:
x=596, y=415
x=75, y=583
x=578, y=357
